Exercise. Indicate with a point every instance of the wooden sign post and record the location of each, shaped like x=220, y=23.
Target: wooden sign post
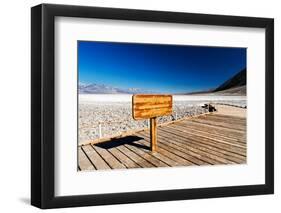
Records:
x=151, y=107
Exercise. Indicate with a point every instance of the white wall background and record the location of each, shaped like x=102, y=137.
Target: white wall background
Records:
x=15, y=105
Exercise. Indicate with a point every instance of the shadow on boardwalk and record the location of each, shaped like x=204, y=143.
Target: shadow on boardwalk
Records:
x=128, y=140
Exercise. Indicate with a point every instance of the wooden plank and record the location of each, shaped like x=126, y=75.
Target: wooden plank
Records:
x=231, y=117
x=227, y=120
x=146, y=106
x=214, y=138
x=188, y=129
x=211, y=152
x=216, y=127
x=151, y=98
x=232, y=139
x=231, y=125
x=150, y=113
x=227, y=154
x=219, y=147
x=153, y=134
x=83, y=162
x=240, y=136
x=203, y=155
x=147, y=155
x=166, y=152
x=210, y=129
x=169, y=161
x=136, y=158
x=149, y=106
x=124, y=159
x=219, y=124
x=218, y=143
x=109, y=158
x=95, y=158
x=188, y=155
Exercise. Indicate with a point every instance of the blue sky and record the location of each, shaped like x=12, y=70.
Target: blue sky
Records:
x=157, y=67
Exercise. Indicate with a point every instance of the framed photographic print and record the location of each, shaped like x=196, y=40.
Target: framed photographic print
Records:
x=139, y=106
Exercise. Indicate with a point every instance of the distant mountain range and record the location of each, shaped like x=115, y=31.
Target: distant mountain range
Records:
x=104, y=89
x=238, y=80
x=236, y=85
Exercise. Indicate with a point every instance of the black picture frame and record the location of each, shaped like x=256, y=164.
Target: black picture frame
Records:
x=43, y=102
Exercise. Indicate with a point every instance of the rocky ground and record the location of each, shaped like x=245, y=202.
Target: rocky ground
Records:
x=105, y=119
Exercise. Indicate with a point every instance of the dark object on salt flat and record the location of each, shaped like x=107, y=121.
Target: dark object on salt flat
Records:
x=210, y=107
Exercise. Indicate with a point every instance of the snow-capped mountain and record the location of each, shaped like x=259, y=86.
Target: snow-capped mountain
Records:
x=94, y=88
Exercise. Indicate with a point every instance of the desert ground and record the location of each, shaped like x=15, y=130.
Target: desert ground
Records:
x=103, y=116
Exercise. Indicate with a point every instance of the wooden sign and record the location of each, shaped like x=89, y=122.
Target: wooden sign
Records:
x=150, y=107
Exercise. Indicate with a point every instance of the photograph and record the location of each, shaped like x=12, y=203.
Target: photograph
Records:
x=135, y=105
x=146, y=105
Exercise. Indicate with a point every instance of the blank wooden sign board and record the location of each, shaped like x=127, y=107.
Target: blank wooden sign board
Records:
x=151, y=107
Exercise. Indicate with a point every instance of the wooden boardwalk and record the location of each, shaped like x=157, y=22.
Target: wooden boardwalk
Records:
x=206, y=140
